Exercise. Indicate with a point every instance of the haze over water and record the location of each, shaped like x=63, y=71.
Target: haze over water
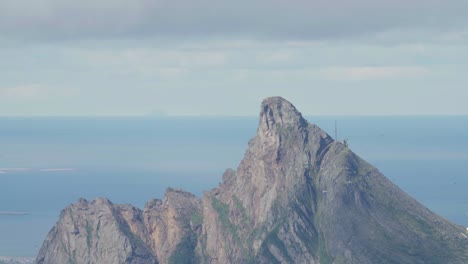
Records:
x=131, y=160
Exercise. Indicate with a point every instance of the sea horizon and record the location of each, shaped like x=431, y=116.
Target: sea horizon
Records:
x=134, y=160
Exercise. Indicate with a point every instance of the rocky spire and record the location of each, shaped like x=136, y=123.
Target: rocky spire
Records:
x=278, y=112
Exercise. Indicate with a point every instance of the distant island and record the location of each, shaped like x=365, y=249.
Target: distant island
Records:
x=57, y=169
x=13, y=213
x=16, y=260
x=12, y=170
x=5, y=170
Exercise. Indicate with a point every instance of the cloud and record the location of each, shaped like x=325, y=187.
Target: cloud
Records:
x=259, y=19
x=203, y=57
x=147, y=60
x=274, y=57
x=372, y=73
x=32, y=93
x=23, y=93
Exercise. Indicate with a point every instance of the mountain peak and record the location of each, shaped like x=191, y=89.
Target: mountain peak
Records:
x=296, y=197
x=279, y=112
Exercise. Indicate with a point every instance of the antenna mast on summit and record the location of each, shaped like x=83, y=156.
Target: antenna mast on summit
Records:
x=336, y=131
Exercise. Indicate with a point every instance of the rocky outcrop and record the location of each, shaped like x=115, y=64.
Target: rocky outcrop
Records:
x=298, y=196
x=102, y=232
x=96, y=232
x=173, y=226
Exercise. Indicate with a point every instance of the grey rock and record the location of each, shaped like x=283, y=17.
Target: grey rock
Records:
x=95, y=232
x=173, y=225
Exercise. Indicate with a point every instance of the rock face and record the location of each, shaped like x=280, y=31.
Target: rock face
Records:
x=101, y=232
x=96, y=232
x=173, y=226
x=298, y=196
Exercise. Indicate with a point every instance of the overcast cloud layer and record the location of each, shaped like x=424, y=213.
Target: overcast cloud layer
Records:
x=272, y=19
x=209, y=57
x=277, y=19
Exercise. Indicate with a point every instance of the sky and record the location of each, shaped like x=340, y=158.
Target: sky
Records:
x=221, y=58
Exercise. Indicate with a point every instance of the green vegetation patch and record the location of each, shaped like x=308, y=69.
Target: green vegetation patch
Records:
x=71, y=214
x=185, y=251
x=285, y=133
x=273, y=239
x=196, y=218
x=223, y=213
x=322, y=251
x=240, y=207
x=89, y=235
x=70, y=261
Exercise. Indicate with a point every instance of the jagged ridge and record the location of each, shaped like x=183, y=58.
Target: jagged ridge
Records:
x=298, y=196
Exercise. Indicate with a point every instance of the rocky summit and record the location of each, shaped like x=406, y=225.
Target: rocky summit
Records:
x=298, y=196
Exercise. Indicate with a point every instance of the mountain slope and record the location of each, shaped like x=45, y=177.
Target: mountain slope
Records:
x=298, y=196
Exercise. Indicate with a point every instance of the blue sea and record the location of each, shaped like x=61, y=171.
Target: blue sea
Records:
x=48, y=163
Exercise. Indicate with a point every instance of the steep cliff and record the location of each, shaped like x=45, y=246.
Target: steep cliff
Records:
x=173, y=226
x=298, y=196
